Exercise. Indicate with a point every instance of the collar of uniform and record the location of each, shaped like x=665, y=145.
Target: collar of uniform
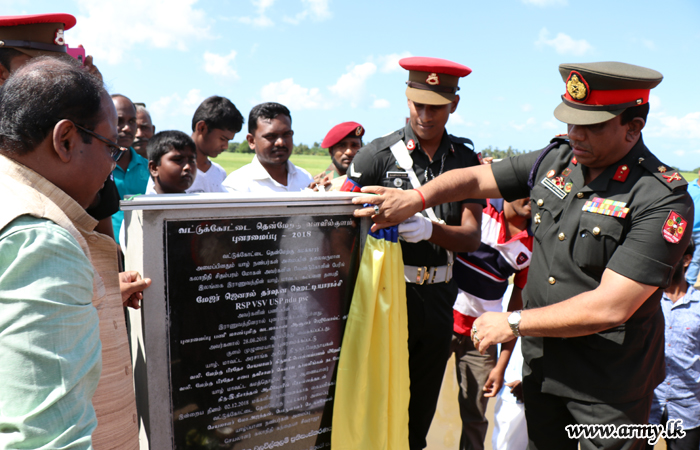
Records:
x=63, y=201
x=445, y=143
x=258, y=171
x=601, y=183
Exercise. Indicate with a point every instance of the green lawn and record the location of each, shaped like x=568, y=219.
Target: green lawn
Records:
x=314, y=164
x=317, y=164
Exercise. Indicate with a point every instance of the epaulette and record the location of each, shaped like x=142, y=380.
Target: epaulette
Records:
x=666, y=175
x=388, y=140
x=561, y=138
x=554, y=143
x=460, y=140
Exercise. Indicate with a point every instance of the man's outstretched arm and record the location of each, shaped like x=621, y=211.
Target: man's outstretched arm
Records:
x=396, y=205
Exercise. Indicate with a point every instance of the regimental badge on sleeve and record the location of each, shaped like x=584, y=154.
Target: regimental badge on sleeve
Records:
x=674, y=227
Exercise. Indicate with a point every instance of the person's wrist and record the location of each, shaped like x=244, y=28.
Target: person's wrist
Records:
x=422, y=199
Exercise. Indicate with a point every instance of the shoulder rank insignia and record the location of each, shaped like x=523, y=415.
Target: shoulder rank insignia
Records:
x=622, y=172
x=606, y=207
x=662, y=169
x=674, y=177
x=674, y=227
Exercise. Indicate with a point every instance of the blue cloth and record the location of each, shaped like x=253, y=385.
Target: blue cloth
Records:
x=133, y=181
x=680, y=390
x=694, y=191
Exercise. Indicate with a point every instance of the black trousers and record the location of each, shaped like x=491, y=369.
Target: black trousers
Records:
x=429, y=337
x=691, y=440
x=548, y=415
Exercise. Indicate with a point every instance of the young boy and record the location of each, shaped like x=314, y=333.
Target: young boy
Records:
x=172, y=157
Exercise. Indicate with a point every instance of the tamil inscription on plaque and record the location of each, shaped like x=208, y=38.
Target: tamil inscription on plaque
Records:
x=256, y=310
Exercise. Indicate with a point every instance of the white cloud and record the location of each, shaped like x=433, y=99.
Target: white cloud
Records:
x=351, y=86
x=175, y=105
x=316, y=10
x=660, y=124
x=649, y=44
x=545, y=3
x=381, y=103
x=220, y=65
x=390, y=63
x=552, y=125
x=457, y=119
x=261, y=20
x=521, y=127
x=526, y=107
x=109, y=30
x=293, y=95
x=563, y=44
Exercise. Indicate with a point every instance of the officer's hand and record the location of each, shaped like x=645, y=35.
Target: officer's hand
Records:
x=516, y=388
x=90, y=66
x=416, y=228
x=132, y=287
x=491, y=329
x=395, y=205
x=494, y=382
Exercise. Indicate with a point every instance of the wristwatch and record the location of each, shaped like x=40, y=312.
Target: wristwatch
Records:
x=514, y=322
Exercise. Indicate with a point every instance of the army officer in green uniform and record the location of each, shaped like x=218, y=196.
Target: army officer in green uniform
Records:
x=423, y=150
x=610, y=221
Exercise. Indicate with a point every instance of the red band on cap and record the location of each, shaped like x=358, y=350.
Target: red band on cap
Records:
x=604, y=98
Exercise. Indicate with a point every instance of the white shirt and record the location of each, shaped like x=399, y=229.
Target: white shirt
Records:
x=254, y=178
x=209, y=181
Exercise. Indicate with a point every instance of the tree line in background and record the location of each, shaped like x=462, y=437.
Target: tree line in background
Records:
x=303, y=149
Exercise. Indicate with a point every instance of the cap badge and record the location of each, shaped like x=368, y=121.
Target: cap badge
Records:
x=58, y=39
x=358, y=131
x=433, y=79
x=577, y=87
x=411, y=145
x=674, y=227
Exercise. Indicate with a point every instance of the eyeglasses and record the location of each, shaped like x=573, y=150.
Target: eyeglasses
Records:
x=115, y=150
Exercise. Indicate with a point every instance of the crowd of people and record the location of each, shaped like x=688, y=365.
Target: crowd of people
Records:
x=592, y=231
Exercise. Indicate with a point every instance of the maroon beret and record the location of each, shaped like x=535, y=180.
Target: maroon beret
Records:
x=341, y=131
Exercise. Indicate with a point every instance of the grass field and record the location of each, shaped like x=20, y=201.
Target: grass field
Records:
x=314, y=164
x=317, y=164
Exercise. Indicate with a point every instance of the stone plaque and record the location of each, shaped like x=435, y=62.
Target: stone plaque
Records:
x=256, y=309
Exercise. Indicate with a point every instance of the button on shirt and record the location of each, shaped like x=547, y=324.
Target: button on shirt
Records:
x=133, y=181
x=679, y=393
x=254, y=178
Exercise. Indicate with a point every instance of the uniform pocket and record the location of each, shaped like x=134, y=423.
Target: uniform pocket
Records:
x=598, y=237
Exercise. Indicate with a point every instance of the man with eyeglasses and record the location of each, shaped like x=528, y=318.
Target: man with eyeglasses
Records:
x=25, y=37
x=57, y=132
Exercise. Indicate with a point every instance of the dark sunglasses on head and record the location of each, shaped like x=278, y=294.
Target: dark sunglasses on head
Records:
x=115, y=151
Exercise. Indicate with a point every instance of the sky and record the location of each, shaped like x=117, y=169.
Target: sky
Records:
x=331, y=61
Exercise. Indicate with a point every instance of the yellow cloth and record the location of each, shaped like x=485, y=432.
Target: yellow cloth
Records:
x=372, y=390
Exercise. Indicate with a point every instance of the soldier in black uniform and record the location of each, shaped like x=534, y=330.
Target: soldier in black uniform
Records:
x=610, y=222
x=430, y=290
